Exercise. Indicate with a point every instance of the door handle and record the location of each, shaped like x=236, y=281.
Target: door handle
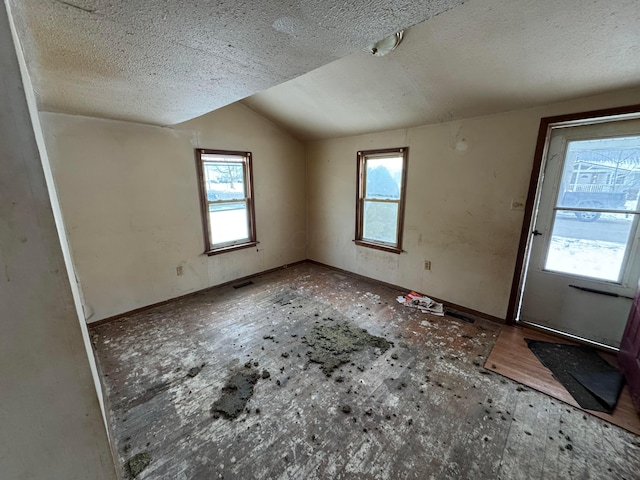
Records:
x=535, y=233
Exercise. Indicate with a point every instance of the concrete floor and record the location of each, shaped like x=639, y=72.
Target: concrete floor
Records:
x=424, y=409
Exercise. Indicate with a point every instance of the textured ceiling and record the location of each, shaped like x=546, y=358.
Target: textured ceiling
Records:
x=484, y=57
x=166, y=61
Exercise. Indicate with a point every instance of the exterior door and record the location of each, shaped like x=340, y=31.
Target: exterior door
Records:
x=584, y=263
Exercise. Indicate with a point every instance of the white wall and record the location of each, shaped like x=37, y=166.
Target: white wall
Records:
x=129, y=194
x=458, y=203
x=50, y=418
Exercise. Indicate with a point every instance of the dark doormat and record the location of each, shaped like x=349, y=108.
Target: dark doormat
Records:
x=592, y=381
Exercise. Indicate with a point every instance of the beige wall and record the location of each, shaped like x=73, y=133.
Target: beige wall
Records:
x=458, y=212
x=50, y=419
x=129, y=195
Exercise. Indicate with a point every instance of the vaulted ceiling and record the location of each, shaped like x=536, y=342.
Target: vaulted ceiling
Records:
x=484, y=57
x=167, y=61
x=301, y=62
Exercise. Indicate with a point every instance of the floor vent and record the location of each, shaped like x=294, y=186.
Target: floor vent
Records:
x=459, y=316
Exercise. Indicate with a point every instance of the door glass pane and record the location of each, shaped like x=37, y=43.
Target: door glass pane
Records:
x=228, y=222
x=224, y=181
x=380, y=221
x=594, y=248
x=601, y=173
x=384, y=177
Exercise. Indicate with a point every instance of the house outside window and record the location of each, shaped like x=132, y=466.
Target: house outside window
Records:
x=226, y=196
x=381, y=185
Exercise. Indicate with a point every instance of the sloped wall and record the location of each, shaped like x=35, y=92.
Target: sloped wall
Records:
x=50, y=419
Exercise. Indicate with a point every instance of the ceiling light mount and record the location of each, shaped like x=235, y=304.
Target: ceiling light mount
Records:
x=386, y=45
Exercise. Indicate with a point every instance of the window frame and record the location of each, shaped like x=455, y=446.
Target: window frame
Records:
x=251, y=241
x=362, y=158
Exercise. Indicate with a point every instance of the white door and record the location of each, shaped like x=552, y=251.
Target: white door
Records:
x=584, y=261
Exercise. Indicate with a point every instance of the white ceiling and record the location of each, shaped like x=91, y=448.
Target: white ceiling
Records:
x=484, y=57
x=166, y=61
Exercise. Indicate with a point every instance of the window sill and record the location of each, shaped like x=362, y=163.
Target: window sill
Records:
x=378, y=246
x=230, y=248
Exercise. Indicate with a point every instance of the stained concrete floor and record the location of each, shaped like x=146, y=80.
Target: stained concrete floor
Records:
x=423, y=409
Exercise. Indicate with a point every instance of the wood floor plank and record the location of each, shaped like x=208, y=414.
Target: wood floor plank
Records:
x=424, y=409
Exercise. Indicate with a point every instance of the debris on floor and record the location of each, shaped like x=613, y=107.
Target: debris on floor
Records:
x=195, y=371
x=422, y=303
x=425, y=408
x=138, y=463
x=235, y=394
x=332, y=345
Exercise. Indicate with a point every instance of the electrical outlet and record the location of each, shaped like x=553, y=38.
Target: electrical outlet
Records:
x=427, y=265
x=179, y=270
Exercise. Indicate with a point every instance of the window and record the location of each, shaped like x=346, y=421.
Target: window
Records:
x=226, y=193
x=380, y=204
x=599, y=249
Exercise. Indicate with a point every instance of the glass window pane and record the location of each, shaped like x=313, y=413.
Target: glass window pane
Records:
x=224, y=181
x=380, y=221
x=593, y=249
x=601, y=173
x=384, y=178
x=228, y=222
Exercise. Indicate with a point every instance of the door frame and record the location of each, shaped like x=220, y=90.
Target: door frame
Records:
x=535, y=186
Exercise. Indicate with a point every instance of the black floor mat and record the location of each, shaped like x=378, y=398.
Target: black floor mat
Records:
x=605, y=386
x=581, y=371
